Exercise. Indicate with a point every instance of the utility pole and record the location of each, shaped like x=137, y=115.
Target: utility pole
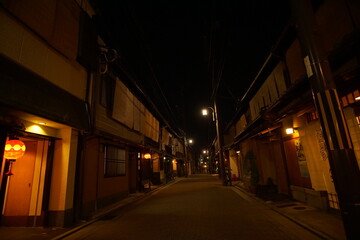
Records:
x=344, y=168
x=187, y=162
x=220, y=141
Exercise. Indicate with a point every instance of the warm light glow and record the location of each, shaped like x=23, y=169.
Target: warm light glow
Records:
x=36, y=129
x=191, y=141
x=204, y=151
x=42, y=123
x=14, y=149
x=357, y=98
x=204, y=112
x=147, y=156
x=289, y=131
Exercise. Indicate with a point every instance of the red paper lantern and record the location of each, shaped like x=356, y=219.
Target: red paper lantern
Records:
x=147, y=155
x=14, y=149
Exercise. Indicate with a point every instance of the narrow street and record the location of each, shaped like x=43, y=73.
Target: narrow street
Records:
x=198, y=207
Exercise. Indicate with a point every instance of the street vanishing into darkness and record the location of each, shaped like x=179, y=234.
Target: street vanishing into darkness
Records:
x=198, y=207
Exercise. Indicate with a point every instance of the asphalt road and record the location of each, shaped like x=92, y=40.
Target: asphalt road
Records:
x=198, y=207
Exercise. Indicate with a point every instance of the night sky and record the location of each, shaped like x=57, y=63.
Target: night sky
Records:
x=171, y=47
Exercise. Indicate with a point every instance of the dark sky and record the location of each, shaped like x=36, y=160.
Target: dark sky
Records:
x=168, y=44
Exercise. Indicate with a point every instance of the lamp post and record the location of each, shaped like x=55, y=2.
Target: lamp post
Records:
x=187, y=143
x=219, y=141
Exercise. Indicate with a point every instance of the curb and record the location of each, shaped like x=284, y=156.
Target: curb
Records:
x=308, y=227
x=126, y=202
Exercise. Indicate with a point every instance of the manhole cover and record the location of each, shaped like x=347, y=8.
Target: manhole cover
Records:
x=299, y=208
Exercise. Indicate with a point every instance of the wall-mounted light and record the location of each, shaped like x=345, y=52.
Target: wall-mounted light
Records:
x=289, y=130
x=14, y=149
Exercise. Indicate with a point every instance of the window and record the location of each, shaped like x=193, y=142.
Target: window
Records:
x=350, y=98
x=114, y=161
x=107, y=91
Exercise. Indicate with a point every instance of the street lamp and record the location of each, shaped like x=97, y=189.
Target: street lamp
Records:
x=205, y=112
x=215, y=117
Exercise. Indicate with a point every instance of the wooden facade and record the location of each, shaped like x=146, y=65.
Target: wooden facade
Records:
x=281, y=98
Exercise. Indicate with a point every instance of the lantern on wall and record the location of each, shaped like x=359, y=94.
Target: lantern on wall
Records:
x=289, y=130
x=147, y=156
x=14, y=149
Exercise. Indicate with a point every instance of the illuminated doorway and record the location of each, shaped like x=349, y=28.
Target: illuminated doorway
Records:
x=22, y=193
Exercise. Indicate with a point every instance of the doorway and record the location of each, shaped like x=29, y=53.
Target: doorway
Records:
x=298, y=172
x=22, y=185
x=134, y=168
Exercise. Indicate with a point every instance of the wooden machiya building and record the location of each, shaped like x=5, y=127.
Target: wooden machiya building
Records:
x=124, y=152
x=276, y=141
x=127, y=150
x=90, y=139
x=43, y=104
x=114, y=161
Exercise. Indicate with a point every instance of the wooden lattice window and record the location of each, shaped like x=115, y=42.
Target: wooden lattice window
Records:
x=350, y=98
x=114, y=161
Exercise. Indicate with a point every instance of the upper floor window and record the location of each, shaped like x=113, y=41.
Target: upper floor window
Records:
x=107, y=91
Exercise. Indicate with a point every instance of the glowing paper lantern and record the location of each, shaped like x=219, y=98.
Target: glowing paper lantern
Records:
x=14, y=149
x=147, y=155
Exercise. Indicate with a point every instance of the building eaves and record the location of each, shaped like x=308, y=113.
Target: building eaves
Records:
x=276, y=55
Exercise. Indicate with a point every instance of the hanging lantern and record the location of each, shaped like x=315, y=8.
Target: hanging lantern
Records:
x=14, y=149
x=147, y=155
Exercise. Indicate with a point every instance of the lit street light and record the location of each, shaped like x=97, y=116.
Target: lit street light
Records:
x=205, y=112
x=223, y=174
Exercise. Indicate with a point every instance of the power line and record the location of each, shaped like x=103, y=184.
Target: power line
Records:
x=140, y=37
